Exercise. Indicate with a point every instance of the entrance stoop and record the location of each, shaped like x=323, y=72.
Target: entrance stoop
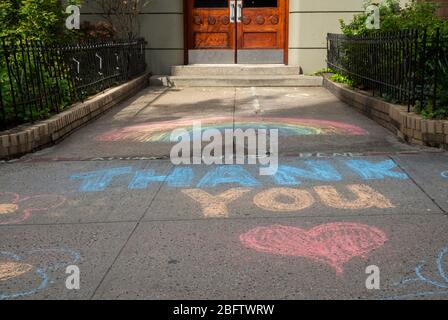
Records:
x=236, y=75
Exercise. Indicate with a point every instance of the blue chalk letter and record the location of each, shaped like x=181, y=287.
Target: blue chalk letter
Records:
x=99, y=180
x=228, y=174
x=380, y=170
x=317, y=170
x=143, y=178
x=180, y=177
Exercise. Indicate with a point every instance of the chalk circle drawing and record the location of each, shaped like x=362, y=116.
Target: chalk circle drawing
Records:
x=32, y=270
x=444, y=174
x=333, y=244
x=438, y=287
x=161, y=131
x=15, y=208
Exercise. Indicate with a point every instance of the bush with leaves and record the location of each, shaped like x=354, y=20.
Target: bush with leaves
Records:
x=33, y=21
x=416, y=15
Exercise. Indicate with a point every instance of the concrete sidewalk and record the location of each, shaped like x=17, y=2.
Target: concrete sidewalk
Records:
x=108, y=200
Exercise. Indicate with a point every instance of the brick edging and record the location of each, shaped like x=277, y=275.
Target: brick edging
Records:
x=410, y=127
x=31, y=137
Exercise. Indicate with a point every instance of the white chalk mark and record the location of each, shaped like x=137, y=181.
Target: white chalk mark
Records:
x=256, y=102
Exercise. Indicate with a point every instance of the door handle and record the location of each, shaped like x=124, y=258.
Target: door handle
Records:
x=232, y=11
x=239, y=13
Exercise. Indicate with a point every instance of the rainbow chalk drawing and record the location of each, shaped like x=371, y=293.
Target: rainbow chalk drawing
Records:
x=15, y=209
x=33, y=269
x=333, y=244
x=161, y=131
x=439, y=287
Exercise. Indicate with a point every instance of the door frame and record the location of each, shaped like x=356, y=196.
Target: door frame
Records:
x=187, y=29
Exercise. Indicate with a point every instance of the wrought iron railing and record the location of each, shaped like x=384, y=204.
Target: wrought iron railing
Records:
x=409, y=67
x=37, y=81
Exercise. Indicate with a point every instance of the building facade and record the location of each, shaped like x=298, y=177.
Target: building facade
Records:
x=292, y=32
x=443, y=7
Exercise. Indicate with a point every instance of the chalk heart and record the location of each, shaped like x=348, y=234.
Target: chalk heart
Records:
x=10, y=270
x=333, y=244
x=7, y=208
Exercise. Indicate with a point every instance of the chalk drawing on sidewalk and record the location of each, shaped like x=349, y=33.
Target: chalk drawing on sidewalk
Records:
x=215, y=206
x=15, y=209
x=444, y=174
x=32, y=270
x=220, y=175
x=439, y=287
x=333, y=244
x=161, y=131
x=289, y=200
x=366, y=197
x=293, y=200
x=284, y=199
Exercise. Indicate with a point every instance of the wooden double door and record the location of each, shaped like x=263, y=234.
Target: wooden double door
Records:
x=236, y=31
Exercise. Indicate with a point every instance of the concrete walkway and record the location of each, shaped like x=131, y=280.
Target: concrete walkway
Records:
x=108, y=200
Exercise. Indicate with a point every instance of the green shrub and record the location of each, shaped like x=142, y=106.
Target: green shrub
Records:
x=418, y=16
x=34, y=20
x=31, y=20
x=415, y=15
x=339, y=78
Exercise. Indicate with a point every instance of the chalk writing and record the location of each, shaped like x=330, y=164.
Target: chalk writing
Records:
x=215, y=206
x=231, y=174
x=439, y=287
x=99, y=180
x=15, y=209
x=304, y=155
x=333, y=244
x=371, y=171
x=32, y=270
x=287, y=175
x=366, y=198
x=271, y=199
x=180, y=177
x=289, y=199
x=318, y=170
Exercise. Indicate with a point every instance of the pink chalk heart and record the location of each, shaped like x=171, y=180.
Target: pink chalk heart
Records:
x=333, y=243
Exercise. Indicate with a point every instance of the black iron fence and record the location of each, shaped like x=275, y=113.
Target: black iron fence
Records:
x=409, y=67
x=37, y=81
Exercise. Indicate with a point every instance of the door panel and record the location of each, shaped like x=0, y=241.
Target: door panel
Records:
x=211, y=36
x=236, y=31
x=261, y=31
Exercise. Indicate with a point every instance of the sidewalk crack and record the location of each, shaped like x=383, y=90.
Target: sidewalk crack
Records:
x=130, y=236
x=419, y=186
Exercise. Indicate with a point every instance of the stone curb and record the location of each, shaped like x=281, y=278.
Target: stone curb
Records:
x=32, y=137
x=410, y=127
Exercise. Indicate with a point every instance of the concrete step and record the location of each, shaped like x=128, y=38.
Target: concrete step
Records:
x=234, y=70
x=238, y=81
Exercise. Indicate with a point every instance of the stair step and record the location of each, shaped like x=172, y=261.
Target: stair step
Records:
x=234, y=70
x=238, y=81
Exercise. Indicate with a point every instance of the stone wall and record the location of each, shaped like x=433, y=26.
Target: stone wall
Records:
x=410, y=127
x=32, y=137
